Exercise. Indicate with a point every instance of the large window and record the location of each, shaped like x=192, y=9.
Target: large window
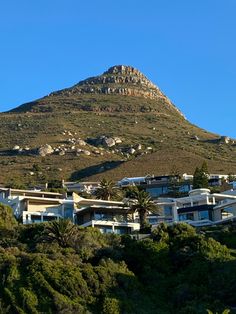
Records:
x=103, y=216
x=122, y=230
x=187, y=216
x=105, y=229
x=184, y=188
x=152, y=220
x=35, y=218
x=49, y=218
x=68, y=211
x=167, y=210
x=203, y=215
x=110, y=216
x=155, y=191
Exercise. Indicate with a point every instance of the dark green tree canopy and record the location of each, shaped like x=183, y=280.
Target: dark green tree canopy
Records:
x=7, y=220
x=142, y=203
x=200, y=177
x=107, y=190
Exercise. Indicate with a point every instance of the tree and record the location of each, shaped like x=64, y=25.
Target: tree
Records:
x=231, y=177
x=62, y=231
x=200, y=177
x=107, y=190
x=7, y=220
x=143, y=204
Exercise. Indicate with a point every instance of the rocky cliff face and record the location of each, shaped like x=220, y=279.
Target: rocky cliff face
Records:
x=120, y=80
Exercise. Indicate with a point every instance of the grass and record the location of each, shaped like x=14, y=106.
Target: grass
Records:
x=161, y=127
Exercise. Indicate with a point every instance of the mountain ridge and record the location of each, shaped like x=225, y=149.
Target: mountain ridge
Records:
x=117, y=80
x=81, y=133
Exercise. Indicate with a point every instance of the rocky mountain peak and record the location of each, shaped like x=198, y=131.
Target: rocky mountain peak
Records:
x=122, y=76
x=119, y=80
x=123, y=70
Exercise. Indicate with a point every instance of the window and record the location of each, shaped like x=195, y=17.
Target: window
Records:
x=122, y=230
x=167, y=210
x=203, y=215
x=152, y=220
x=154, y=191
x=68, y=211
x=103, y=216
x=184, y=188
x=157, y=191
x=36, y=218
x=104, y=229
x=49, y=218
x=187, y=216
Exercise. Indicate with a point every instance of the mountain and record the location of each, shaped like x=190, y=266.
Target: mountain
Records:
x=89, y=94
x=114, y=125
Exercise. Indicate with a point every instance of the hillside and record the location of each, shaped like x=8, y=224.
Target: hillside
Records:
x=47, y=268
x=114, y=125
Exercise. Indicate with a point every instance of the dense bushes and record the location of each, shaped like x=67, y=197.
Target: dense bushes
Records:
x=175, y=271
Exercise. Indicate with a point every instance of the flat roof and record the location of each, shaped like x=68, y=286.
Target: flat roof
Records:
x=116, y=209
x=30, y=191
x=90, y=201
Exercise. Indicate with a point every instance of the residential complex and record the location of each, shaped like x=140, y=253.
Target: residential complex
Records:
x=197, y=207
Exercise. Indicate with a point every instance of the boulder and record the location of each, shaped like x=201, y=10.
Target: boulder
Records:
x=131, y=151
x=16, y=147
x=96, y=152
x=81, y=142
x=108, y=142
x=45, y=150
x=86, y=152
x=62, y=153
x=225, y=139
x=138, y=146
x=117, y=140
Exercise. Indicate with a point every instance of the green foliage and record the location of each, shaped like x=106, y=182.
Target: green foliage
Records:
x=7, y=220
x=16, y=183
x=226, y=311
x=143, y=204
x=110, y=306
x=62, y=231
x=107, y=190
x=200, y=177
x=176, y=270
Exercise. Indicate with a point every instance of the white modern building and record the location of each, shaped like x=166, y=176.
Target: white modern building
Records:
x=107, y=216
x=37, y=206
x=200, y=207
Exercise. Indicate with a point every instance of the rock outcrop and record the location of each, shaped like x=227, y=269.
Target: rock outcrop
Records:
x=121, y=80
x=45, y=150
x=117, y=80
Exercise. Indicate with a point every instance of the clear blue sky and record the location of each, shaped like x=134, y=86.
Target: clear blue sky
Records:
x=186, y=47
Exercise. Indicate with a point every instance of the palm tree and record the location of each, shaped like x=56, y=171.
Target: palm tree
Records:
x=107, y=190
x=62, y=231
x=142, y=203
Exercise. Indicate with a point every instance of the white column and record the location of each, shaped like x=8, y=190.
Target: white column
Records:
x=175, y=213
